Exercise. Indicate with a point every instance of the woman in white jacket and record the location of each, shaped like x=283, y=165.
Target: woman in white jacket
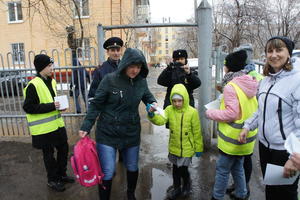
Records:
x=278, y=114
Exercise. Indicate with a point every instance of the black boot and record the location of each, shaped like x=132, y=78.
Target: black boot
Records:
x=174, y=191
x=104, y=190
x=131, y=184
x=186, y=189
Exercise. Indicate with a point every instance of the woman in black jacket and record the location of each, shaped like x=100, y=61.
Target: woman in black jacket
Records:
x=117, y=100
x=179, y=72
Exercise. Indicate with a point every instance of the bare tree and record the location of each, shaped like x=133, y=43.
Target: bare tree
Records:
x=251, y=21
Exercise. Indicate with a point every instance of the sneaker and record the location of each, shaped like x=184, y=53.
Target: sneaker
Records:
x=56, y=185
x=67, y=179
x=173, y=193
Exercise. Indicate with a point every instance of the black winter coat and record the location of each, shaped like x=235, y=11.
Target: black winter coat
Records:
x=106, y=68
x=175, y=74
x=117, y=100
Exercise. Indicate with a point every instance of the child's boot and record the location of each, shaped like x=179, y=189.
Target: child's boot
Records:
x=174, y=193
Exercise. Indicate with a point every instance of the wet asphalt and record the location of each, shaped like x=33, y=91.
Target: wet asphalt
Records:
x=23, y=176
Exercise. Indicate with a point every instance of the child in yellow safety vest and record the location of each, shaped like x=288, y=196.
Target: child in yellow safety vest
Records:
x=238, y=103
x=46, y=124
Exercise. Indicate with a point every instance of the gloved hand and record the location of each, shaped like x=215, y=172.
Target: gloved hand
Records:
x=148, y=108
x=198, y=154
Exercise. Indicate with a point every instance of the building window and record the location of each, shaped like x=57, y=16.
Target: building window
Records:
x=159, y=44
x=167, y=52
x=18, y=52
x=167, y=45
x=84, y=48
x=15, y=12
x=160, y=52
x=83, y=8
x=166, y=38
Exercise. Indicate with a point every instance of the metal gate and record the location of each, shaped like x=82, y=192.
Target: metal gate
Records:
x=15, y=75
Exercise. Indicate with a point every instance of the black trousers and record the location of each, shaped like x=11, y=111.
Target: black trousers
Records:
x=276, y=157
x=56, y=167
x=247, y=167
x=178, y=173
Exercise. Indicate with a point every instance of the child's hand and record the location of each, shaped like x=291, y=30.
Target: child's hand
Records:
x=57, y=105
x=150, y=110
x=198, y=154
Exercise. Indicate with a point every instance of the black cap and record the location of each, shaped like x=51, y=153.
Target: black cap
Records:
x=179, y=53
x=290, y=45
x=236, y=61
x=41, y=61
x=113, y=42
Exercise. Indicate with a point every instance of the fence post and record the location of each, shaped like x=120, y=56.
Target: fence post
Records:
x=204, y=21
x=100, y=33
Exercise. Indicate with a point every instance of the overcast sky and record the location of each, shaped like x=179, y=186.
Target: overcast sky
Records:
x=177, y=10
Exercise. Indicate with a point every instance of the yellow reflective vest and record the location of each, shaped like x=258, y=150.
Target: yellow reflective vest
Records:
x=228, y=133
x=45, y=122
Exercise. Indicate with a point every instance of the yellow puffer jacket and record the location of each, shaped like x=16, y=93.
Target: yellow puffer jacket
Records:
x=184, y=125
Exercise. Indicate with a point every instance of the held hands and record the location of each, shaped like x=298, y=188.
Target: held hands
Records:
x=243, y=136
x=150, y=109
x=82, y=134
x=198, y=154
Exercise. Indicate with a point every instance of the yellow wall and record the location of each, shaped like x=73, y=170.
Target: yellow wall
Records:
x=161, y=34
x=37, y=36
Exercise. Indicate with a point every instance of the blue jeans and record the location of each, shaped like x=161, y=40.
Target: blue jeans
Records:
x=225, y=165
x=107, y=157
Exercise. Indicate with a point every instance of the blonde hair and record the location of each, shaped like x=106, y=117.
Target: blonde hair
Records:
x=275, y=44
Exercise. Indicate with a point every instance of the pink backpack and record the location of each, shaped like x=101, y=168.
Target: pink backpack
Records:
x=85, y=163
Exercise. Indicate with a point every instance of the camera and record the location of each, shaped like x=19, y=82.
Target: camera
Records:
x=175, y=65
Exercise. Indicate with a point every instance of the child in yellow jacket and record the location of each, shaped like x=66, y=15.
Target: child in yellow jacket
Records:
x=185, y=137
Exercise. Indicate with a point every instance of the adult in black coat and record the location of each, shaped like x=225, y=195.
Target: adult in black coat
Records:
x=118, y=127
x=179, y=72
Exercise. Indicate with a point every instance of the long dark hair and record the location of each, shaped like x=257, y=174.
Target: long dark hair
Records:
x=276, y=44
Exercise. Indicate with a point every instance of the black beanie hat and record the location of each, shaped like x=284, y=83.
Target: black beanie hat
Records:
x=290, y=45
x=236, y=61
x=41, y=61
x=180, y=53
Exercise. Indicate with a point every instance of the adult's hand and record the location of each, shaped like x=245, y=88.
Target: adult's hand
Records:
x=295, y=158
x=243, y=135
x=82, y=134
x=187, y=69
x=289, y=169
